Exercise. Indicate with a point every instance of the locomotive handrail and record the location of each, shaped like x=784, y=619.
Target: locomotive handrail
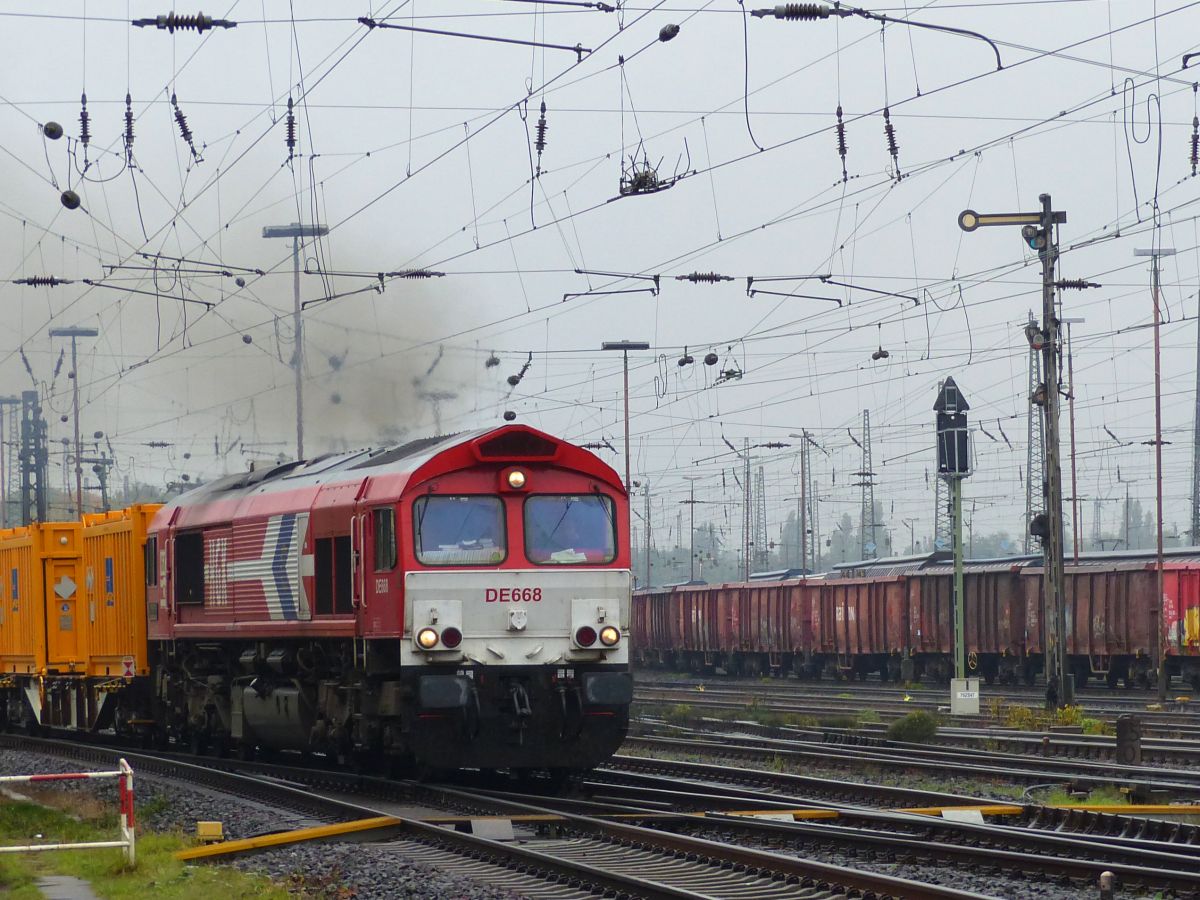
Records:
x=355, y=563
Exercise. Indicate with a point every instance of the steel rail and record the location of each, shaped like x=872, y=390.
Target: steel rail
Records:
x=640, y=847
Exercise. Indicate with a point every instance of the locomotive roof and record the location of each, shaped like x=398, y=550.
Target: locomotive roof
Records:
x=322, y=468
x=426, y=457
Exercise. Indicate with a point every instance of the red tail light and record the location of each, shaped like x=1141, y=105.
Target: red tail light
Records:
x=585, y=636
x=451, y=637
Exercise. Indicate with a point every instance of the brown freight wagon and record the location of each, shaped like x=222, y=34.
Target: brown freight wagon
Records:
x=994, y=620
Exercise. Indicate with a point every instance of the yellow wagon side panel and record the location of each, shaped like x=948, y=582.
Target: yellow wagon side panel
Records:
x=115, y=591
x=22, y=614
x=62, y=556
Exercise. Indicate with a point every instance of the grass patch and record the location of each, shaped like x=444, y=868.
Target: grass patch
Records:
x=679, y=714
x=1101, y=796
x=868, y=717
x=916, y=727
x=158, y=874
x=1027, y=718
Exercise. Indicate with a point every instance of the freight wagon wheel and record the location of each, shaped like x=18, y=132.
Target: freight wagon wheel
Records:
x=427, y=774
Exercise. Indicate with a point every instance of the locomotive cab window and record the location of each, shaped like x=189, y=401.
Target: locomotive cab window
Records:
x=150, y=561
x=459, y=530
x=384, y=521
x=564, y=530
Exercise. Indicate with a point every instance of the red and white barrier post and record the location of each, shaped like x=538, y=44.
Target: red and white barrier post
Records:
x=125, y=817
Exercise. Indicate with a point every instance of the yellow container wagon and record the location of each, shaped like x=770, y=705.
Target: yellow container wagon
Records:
x=115, y=592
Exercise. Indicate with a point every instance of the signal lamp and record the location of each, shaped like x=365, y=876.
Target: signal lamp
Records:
x=451, y=637
x=516, y=479
x=1035, y=336
x=585, y=636
x=609, y=636
x=427, y=638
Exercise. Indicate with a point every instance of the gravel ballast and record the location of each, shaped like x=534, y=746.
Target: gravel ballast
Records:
x=341, y=870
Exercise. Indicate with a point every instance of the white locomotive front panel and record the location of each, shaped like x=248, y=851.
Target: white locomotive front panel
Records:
x=517, y=617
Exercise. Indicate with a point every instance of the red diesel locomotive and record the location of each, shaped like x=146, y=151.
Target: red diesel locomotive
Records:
x=456, y=602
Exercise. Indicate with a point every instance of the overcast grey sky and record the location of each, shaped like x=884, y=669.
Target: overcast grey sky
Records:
x=416, y=149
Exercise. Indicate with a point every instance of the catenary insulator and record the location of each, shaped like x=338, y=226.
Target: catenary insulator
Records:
x=1195, y=142
x=890, y=133
x=540, y=142
x=85, y=131
x=703, y=277
x=128, y=124
x=794, y=11
x=172, y=23
x=42, y=281
x=291, y=130
x=413, y=273
x=841, y=141
x=1075, y=284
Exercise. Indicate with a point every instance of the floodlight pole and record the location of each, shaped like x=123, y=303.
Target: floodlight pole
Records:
x=74, y=334
x=296, y=231
x=691, y=502
x=625, y=347
x=1163, y=625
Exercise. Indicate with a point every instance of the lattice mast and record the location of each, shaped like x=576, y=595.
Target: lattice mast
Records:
x=943, y=518
x=1195, y=536
x=867, y=526
x=762, y=555
x=1035, y=449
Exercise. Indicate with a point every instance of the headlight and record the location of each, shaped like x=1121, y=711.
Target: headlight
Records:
x=609, y=636
x=427, y=638
x=516, y=479
x=451, y=637
x=585, y=636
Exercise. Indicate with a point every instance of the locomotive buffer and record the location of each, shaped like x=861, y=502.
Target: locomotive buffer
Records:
x=953, y=465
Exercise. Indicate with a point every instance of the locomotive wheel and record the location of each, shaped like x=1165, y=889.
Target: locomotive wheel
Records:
x=196, y=743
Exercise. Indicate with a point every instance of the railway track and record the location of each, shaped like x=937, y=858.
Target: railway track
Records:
x=1144, y=854
x=1008, y=768
x=1174, y=710
x=1053, y=748
x=587, y=857
x=830, y=707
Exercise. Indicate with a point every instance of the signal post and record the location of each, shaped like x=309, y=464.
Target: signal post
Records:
x=1038, y=230
x=953, y=465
